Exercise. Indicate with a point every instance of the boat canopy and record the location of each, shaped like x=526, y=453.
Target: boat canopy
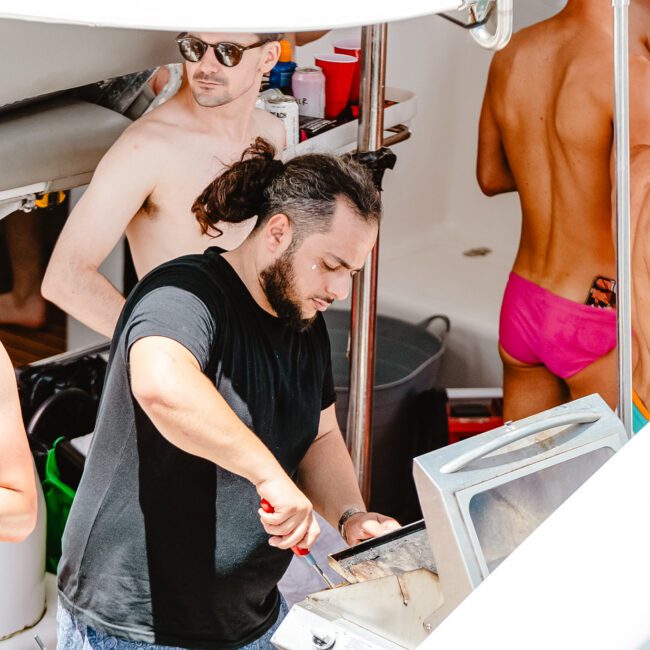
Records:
x=209, y=16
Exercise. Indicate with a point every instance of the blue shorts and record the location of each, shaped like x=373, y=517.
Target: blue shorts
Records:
x=72, y=634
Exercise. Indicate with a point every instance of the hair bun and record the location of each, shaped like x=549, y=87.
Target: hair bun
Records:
x=238, y=193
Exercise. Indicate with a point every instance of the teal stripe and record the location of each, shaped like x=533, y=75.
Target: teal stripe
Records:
x=638, y=419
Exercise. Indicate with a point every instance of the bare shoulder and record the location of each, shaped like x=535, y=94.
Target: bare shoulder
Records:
x=146, y=134
x=504, y=62
x=270, y=128
x=136, y=158
x=542, y=41
x=547, y=51
x=151, y=135
x=523, y=41
x=134, y=149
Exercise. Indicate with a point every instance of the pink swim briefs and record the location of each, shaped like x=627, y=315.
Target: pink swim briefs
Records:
x=538, y=327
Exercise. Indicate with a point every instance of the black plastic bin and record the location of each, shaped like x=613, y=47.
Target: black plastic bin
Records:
x=407, y=362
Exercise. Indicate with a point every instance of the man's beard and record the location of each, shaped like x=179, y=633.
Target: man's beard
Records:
x=278, y=282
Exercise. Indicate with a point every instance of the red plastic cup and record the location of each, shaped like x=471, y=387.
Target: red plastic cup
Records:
x=352, y=47
x=338, y=70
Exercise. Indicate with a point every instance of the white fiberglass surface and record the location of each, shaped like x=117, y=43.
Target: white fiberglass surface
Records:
x=208, y=15
x=580, y=580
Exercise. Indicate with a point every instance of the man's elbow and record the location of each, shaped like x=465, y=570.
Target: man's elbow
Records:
x=162, y=402
x=149, y=391
x=492, y=184
x=487, y=188
x=61, y=277
x=154, y=387
x=53, y=287
x=486, y=181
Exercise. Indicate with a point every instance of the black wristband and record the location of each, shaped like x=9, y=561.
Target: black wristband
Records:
x=350, y=512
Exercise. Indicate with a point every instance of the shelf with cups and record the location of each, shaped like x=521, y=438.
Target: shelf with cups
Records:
x=342, y=138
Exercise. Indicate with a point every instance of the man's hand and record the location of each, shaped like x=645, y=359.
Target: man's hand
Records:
x=366, y=525
x=292, y=521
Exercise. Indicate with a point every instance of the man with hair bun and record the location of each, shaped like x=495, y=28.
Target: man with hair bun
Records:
x=219, y=393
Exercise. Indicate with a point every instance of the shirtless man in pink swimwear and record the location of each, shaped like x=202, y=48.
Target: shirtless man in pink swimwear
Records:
x=546, y=132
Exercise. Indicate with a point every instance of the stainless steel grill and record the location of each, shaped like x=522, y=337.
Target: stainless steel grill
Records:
x=481, y=498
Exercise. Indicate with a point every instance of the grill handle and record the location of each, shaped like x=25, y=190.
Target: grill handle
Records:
x=512, y=433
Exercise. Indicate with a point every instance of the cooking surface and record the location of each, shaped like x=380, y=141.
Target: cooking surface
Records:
x=404, y=550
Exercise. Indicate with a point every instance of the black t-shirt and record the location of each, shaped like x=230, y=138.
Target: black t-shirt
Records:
x=166, y=547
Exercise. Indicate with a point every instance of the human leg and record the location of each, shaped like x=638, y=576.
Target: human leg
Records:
x=23, y=305
x=529, y=389
x=600, y=377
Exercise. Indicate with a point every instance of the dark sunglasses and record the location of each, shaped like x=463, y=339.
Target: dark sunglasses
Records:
x=229, y=54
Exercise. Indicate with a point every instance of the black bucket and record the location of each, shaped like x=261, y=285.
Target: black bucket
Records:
x=407, y=362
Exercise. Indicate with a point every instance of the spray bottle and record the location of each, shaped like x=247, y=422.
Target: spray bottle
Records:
x=281, y=74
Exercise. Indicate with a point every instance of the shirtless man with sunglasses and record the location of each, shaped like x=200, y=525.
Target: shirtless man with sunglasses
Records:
x=147, y=182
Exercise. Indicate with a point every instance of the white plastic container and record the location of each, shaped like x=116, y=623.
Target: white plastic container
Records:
x=22, y=578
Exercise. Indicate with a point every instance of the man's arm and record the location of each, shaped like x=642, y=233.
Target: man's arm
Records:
x=327, y=477
x=492, y=168
x=123, y=180
x=190, y=413
x=17, y=482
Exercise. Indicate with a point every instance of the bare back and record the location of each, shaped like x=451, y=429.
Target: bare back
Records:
x=550, y=93
x=187, y=158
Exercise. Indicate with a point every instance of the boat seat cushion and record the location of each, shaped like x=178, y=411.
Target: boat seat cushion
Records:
x=59, y=141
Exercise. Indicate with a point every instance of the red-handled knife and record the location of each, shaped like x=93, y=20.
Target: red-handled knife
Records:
x=301, y=552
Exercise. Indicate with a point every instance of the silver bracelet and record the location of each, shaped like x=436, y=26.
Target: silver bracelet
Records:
x=350, y=512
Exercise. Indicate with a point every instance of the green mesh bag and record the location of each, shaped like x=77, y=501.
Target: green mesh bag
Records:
x=58, y=501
